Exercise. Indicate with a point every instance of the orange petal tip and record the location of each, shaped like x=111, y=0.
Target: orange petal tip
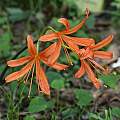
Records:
x=87, y=12
x=28, y=36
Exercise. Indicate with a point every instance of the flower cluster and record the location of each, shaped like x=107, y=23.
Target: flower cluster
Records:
x=86, y=54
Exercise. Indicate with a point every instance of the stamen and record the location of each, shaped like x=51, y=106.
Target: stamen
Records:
x=68, y=56
x=105, y=86
x=27, y=76
x=39, y=91
x=31, y=81
x=96, y=64
x=94, y=67
x=23, y=78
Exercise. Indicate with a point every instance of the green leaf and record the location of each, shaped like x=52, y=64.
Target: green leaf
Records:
x=70, y=3
x=116, y=111
x=29, y=118
x=90, y=22
x=5, y=40
x=74, y=57
x=14, y=11
x=2, y=67
x=94, y=116
x=13, y=86
x=2, y=20
x=17, y=14
x=53, y=75
x=37, y=104
x=63, y=59
x=69, y=113
x=50, y=104
x=74, y=22
x=110, y=80
x=54, y=23
x=57, y=84
x=23, y=89
x=81, y=33
x=83, y=97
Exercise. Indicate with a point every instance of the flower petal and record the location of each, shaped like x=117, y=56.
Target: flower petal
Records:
x=73, y=46
x=103, y=55
x=59, y=66
x=18, y=62
x=48, y=51
x=65, y=22
x=102, y=43
x=48, y=37
x=91, y=76
x=79, y=26
x=31, y=47
x=80, y=72
x=80, y=41
x=85, y=53
x=52, y=59
x=42, y=80
x=19, y=73
x=56, y=65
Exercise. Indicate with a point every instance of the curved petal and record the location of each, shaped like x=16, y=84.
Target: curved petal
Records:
x=56, y=65
x=80, y=72
x=91, y=76
x=18, y=62
x=85, y=53
x=80, y=41
x=76, y=28
x=48, y=37
x=70, y=44
x=79, y=26
x=65, y=22
x=103, y=54
x=102, y=43
x=42, y=80
x=19, y=73
x=59, y=66
x=48, y=51
x=31, y=47
x=87, y=12
x=52, y=59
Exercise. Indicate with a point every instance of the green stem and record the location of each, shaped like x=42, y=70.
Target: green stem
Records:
x=57, y=101
x=38, y=45
x=8, y=26
x=66, y=46
x=31, y=5
x=49, y=27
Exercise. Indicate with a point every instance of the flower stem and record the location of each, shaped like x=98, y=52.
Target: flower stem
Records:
x=38, y=45
x=49, y=27
x=57, y=101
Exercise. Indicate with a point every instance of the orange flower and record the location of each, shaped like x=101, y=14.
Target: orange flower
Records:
x=87, y=55
x=63, y=39
x=33, y=61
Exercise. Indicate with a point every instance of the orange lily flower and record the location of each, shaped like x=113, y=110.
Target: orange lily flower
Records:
x=33, y=61
x=63, y=39
x=87, y=55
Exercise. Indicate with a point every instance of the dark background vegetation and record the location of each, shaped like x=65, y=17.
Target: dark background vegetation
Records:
x=71, y=99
